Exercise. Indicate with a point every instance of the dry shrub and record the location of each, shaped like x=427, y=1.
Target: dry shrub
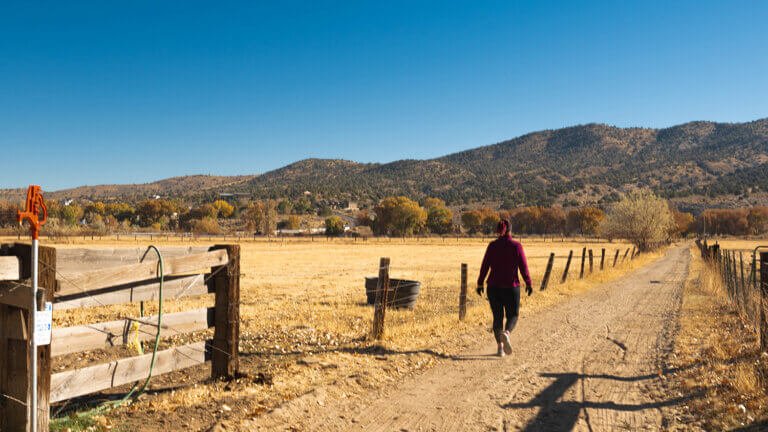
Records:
x=205, y=226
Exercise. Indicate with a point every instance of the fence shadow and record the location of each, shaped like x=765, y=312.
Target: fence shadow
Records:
x=562, y=416
x=757, y=426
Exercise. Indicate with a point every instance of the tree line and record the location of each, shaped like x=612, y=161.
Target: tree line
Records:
x=392, y=216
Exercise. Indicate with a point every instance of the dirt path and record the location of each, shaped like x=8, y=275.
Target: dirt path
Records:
x=587, y=364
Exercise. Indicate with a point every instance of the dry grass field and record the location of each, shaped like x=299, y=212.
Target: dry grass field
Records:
x=717, y=356
x=305, y=323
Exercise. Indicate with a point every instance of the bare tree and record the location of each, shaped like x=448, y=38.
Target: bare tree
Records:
x=640, y=217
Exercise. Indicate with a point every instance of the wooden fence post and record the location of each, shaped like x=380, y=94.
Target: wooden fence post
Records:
x=380, y=307
x=743, y=295
x=583, y=259
x=763, y=327
x=463, y=293
x=616, y=258
x=15, y=351
x=225, y=359
x=545, y=281
x=602, y=259
x=567, y=265
x=731, y=274
x=632, y=256
x=591, y=262
x=625, y=256
x=734, y=274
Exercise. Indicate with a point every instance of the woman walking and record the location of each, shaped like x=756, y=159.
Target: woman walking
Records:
x=504, y=258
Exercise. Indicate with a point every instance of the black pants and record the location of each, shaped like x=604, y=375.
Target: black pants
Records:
x=504, y=301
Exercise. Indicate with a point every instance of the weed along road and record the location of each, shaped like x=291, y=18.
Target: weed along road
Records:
x=592, y=363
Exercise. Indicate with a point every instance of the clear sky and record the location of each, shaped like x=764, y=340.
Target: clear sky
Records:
x=130, y=92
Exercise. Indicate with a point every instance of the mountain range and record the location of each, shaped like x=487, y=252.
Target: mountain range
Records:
x=696, y=164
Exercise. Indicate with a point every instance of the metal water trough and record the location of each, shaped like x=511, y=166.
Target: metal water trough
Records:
x=402, y=293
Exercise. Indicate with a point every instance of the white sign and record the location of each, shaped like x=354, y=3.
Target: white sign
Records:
x=43, y=320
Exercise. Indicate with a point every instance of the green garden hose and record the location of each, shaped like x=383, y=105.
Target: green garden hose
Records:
x=112, y=405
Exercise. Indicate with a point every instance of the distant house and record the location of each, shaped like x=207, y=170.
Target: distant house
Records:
x=352, y=206
x=307, y=193
x=157, y=197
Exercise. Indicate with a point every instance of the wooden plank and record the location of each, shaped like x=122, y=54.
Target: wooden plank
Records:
x=225, y=359
x=78, y=260
x=9, y=268
x=67, y=340
x=149, y=269
x=69, y=384
x=173, y=287
x=16, y=293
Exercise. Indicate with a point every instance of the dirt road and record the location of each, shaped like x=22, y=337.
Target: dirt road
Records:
x=587, y=364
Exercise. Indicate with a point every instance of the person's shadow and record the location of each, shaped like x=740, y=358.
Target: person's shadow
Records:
x=562, y=416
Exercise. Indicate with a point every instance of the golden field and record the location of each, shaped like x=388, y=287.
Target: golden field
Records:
x=304, y=321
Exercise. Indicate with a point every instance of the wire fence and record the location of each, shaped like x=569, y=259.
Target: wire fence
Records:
x=741, y=273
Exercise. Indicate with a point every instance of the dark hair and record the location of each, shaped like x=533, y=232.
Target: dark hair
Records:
x=503, y=227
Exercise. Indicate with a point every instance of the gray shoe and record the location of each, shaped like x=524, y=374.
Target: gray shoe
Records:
x=505, y=342
x=500, y=352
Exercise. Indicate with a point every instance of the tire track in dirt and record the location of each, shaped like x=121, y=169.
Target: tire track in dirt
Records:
x=584, y=365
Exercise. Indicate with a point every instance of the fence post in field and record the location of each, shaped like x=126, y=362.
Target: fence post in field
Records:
x=547, y=272
x=616, y=257
x=735, y=270
x=731, y=275
x=623, y=258
x=567, y=265
x=754, y=272
x=583, y=258
x=463, y=293
x=602, y=259
x=737, y=274
x=737, y=278
x=380, y=307
x=763, y=325
x=226, y=337
x=743, y=285
x=632, y=256
x=591, y=261
x=729, y=280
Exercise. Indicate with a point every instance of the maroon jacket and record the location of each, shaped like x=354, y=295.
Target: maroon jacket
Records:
x=504, y=257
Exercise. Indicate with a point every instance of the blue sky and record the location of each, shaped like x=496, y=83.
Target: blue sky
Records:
x=130, y=92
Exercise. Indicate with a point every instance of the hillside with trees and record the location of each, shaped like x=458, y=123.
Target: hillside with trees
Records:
x=588, y=164
x=697, y=165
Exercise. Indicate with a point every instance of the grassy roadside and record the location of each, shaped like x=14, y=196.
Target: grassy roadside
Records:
x=718, y=361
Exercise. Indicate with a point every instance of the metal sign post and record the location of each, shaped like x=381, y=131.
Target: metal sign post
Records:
x=36, y=213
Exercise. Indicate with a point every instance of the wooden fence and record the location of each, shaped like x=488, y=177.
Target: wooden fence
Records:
x=744, y=275
x=87, y=277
